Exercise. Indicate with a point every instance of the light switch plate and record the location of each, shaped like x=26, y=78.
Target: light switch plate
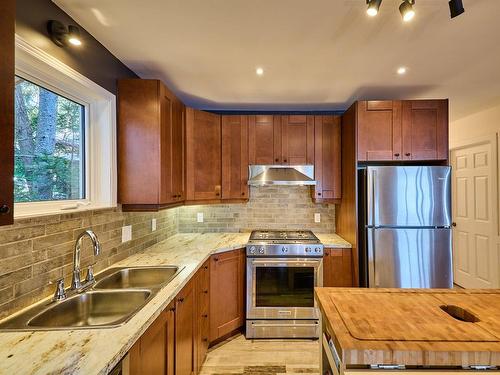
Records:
x=199, y=217
x=317, y=218
x=153, y=225
x=126, y=233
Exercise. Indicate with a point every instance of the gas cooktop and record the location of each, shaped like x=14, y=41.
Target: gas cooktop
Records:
x=284, y=243
x=290, y=235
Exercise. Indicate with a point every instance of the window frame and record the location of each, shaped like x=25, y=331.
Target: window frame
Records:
x=99, y=140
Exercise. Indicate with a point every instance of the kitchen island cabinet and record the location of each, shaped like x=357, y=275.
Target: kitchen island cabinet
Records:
x=408, y=330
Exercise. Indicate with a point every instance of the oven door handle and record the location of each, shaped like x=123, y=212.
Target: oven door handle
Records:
x=284, y=325
x=286, y=262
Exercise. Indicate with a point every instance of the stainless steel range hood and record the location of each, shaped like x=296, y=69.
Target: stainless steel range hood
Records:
x=291, y=175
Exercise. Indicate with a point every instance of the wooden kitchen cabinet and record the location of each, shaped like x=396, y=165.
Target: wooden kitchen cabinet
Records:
x=7, y=26
x=227, y=293
x=264, y=140
x=153, y=353
x=425, y=129
x=337, y=268
x=408, y=130
x=234, y=157
x=379, y=130
x=184, y=330
x=203, y=156
x=202, y=321
x=327, y=159
x=150, y=145
x=297, y=139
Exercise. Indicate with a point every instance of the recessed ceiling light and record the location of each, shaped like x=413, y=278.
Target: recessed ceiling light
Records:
x=406, y=10
x=373, y=7
x=259, y=71
x=401, y=70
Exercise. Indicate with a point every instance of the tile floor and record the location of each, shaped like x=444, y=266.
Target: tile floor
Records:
x=238, y=356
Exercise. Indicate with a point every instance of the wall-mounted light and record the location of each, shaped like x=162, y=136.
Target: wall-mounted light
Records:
x=373, y=7
x=456, y=8
x=406, y=10
x=63, y=36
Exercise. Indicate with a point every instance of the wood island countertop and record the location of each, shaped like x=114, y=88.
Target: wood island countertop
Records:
x=412, y=327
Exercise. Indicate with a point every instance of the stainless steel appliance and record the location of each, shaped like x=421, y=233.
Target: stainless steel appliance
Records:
x=290, y=175
x=406, y=235
x=283, y=267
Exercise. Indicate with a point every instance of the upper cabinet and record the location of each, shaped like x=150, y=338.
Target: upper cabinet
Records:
x=402, y=130
x=8, y=16
x=297, y=139
x=234, y=157
x=264, y=140
x=203, y=156
x=150, y=145
x=327, y=164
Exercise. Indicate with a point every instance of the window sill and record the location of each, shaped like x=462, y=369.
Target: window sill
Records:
x=39, y=209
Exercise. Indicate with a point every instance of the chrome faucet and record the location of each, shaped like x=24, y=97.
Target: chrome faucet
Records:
x=76, y=282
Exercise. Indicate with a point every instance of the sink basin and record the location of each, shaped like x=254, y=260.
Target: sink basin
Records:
x=92, y=309
x=137, y=277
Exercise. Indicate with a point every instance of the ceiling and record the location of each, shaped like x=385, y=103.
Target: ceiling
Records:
x=316, y=54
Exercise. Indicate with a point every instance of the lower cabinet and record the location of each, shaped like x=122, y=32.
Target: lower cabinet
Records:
x=202, y=321
x=153, y=353
x=227, y=293
x=337, y=268
x=184, y=329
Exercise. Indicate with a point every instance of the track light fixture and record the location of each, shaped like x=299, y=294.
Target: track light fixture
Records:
x=406, y=10
x=373, y=7
x=63, y=36
x=456, y=8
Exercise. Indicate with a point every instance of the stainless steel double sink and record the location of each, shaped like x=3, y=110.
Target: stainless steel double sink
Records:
x=118, y=294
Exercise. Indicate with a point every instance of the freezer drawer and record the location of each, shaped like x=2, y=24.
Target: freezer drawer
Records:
x=409, y=258
x=408, y=196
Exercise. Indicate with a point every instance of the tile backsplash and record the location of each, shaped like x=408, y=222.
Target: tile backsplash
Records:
x=37, y=251
x=276, y=207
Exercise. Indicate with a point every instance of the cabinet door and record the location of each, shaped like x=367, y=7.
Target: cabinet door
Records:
x=166, y=106
x=337, y=268
x=202, y=321
x=227, y=293
x=7, y=20
x=184, y=330
x=425, y=129
x=203, y=155
x=234, y=157
x=379, y=130
x=327, y=164
x=153, y=353
x=264, y=140
x=178, y=126
x=297, y=139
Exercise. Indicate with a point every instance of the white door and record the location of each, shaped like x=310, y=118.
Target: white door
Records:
x=475, y=212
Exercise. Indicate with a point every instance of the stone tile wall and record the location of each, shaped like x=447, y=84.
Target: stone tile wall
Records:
x=37, y=251
x=279, y=207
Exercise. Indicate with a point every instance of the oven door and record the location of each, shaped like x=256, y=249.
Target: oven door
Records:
x=283, y=288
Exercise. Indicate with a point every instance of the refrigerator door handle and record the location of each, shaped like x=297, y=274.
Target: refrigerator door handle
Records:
x=372, y=195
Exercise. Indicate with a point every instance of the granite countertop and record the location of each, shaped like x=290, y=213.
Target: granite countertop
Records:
x=97, y=351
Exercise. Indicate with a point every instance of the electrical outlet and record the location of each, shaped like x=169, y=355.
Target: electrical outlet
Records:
x=317, y=218
x=126, y=233
x=199, y=217
x=153, y=225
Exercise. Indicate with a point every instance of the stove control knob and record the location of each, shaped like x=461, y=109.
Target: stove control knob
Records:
x=284, y=250
x=317, y=250
x=261, y=250
x=308, y=249
x=252, y=250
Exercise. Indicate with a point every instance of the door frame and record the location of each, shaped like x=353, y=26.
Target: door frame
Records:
x=492, y=139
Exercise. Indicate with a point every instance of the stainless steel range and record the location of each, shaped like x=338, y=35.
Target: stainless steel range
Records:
x=283, y=267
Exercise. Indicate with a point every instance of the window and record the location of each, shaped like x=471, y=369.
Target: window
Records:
x=65, y=139
x=49, y=145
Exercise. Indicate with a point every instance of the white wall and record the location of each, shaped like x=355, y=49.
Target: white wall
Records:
x=479, y=124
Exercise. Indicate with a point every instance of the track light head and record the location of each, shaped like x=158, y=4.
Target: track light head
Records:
x=456, y=8
x=373, y=7
x=406, y=10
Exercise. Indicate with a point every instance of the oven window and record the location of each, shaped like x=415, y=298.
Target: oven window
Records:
x=284, y=287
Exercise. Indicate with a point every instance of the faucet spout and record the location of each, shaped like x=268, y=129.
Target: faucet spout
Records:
x=76, y=282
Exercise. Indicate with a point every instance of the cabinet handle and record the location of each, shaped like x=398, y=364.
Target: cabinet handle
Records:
x=396, y=154
x=180, y=300
x=242, y=193
x=319, y=193
x=204, y=316
x=276, y=160
x=172, y=309
x=453, y=224
x=216, y=259
x=407, y=154
x=285, y=160
x=4, y=209
x=205, y=339
x=206, y=267
x=205, y=291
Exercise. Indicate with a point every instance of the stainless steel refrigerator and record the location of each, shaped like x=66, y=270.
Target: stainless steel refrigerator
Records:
x=406, y=232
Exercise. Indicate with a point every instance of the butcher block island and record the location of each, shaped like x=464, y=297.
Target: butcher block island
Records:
x=431, y=331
